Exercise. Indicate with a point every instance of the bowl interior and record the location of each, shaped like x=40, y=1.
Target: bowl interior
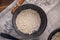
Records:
x=53, y=33
x=42, y=16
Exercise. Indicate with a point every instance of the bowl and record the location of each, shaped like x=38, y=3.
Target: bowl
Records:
x=53, y=33
x=42, y=16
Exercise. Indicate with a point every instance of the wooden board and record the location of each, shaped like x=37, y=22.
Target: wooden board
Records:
x=4, y=4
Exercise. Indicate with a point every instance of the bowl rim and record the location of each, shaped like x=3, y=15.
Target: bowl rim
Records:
x=42, y=16
x=53, y=33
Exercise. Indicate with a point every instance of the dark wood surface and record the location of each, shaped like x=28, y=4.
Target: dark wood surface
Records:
x=4, y=4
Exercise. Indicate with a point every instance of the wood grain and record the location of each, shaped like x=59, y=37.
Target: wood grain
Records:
x=19, y=3
x=4, y=4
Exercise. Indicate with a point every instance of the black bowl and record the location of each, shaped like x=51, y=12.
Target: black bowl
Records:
x=53, y=33
x=42, y=25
